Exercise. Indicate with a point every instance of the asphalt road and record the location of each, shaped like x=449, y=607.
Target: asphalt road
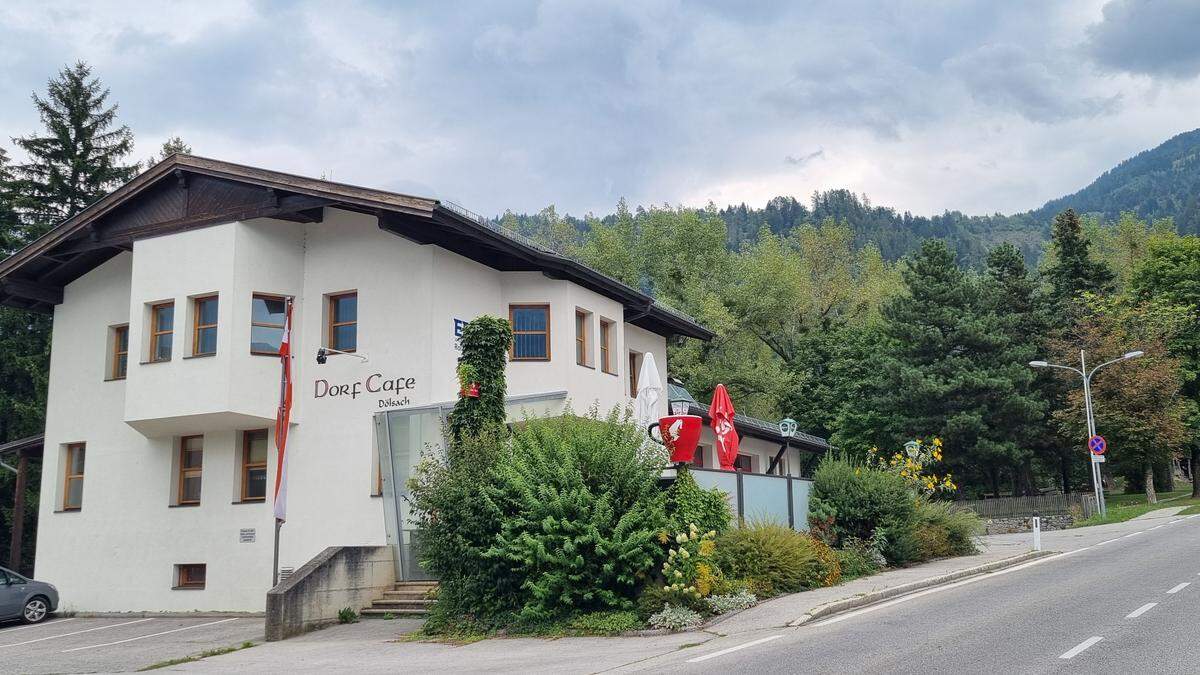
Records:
x=1129, y=604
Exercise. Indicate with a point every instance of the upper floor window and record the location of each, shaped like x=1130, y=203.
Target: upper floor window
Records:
x=73, y=477
x=119, y=365
x=583, y=338
x=191, y=468
x=267, y=314
x=607, y=363
x=254, y=465
x=343, y=322
x=531, y=332
x=204, y=336
x=162, y=331
x=745, y=463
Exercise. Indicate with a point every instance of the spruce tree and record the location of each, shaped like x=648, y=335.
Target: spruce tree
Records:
x=10, y=231
x=78, y=158
x=172, y=146
x=1073, y=271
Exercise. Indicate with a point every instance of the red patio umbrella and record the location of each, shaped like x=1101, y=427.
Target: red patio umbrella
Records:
x=721, y=412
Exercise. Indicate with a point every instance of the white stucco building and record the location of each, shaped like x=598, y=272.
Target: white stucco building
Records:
x=167, y=299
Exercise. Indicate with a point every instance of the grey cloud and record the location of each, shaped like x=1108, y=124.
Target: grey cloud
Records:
x=801, y=160
x=1042, y=89
x=1148, y=38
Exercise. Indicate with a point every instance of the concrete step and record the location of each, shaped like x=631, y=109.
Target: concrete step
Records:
x=377, y=613
x=404, y=595
x=415, y=585
x=387, y=603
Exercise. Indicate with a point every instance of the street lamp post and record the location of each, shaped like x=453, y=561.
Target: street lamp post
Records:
x=1082, y=371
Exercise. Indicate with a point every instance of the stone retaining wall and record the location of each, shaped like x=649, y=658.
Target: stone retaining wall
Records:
x=1025, y=524
x=339, y=577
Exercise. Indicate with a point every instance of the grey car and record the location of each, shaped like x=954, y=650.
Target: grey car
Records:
x=25, y=599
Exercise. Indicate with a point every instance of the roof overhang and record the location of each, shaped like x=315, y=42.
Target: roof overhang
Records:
x=185, y=192
x=27, y=447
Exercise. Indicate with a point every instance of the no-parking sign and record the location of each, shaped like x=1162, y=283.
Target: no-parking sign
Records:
x=1097, y=444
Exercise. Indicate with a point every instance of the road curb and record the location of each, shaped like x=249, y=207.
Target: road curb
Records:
x=838, y=606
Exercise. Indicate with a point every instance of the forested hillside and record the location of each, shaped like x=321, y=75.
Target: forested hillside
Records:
x=1160, y=183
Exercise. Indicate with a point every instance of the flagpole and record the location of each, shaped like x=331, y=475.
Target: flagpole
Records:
x=275, y=563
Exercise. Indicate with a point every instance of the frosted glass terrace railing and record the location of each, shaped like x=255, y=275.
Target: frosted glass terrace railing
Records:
x=757, y=497
x=406, y=435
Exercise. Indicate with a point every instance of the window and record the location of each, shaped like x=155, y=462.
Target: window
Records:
x=191, y=466
x=73, y=477
x=267, y=314
x=607, y=363
x=190, y=576
x=254, y=465
x=162, y=331
x=120, y=353
x=635, y=360
x=744, y=463
x=204, y=336
x=531, y=332
x=698, y=458
x=583, y=338
x=343, y=322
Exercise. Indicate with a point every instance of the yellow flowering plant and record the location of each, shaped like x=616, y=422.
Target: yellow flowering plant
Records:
x=689, y=573
x=913, y=464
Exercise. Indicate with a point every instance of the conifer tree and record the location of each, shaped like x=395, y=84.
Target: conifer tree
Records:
x=78, y=158
x=172, y=146
x=1073, y=272
x=9, y=225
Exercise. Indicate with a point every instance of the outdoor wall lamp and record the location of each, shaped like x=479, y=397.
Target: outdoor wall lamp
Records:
x=324, y=352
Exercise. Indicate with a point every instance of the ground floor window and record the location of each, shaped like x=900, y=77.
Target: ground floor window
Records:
x=191, y=575
x=254, y=465
x=191, y=468
x=744, y=463
x=73, y=477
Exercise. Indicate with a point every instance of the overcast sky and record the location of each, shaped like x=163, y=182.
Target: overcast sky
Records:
x=978, y=106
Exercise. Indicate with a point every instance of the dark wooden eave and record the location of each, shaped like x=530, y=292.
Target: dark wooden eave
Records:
x=185, y=192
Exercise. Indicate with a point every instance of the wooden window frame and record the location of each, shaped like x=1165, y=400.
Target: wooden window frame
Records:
x=581, y=338
x=335, y=324
x=633, y=372
x=114, y=371
x=155, y=333
x=185, y=472
x=512, y=352
x=197, y=326
x=253, y=323
x=183, y=575
x=606, y=365
x=73, y=448
x=248, y=466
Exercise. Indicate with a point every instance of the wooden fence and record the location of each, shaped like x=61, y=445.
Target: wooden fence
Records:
x=1016, y=507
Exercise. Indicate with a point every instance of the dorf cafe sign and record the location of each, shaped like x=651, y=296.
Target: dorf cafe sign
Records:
x=392, y=388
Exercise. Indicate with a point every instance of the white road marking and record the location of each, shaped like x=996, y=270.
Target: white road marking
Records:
x=1141, y=610
x=78, y=632
x=55, y=622
x=969, y=580
x=723, y=652
x=1134, y=534
x=143, y=637
x=1077, y=649
x=1180, y=587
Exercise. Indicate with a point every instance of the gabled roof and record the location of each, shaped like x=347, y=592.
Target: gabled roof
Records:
x=748, y=426
x=184, y=192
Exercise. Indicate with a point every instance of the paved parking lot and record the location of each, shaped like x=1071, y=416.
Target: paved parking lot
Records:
x=90, y=645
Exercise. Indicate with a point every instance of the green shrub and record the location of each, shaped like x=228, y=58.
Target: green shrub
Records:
x=673, y=617
x=859, y=558
x=774, y=559
x=457, y=527
x=654, y=596
x=945, y=530
x=605, y=623
x=581, y=514
x=723, y=604
x=866, y=501
x=347, y=615
x=484, y=354
x=821, y=518
x=688, y=504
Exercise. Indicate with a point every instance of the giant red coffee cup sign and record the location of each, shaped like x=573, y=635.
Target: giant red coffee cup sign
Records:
x=684, y=434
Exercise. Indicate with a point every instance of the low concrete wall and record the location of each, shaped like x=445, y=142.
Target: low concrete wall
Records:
x=340, y=577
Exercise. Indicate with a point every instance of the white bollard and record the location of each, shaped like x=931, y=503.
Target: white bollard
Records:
x=1037, y=533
